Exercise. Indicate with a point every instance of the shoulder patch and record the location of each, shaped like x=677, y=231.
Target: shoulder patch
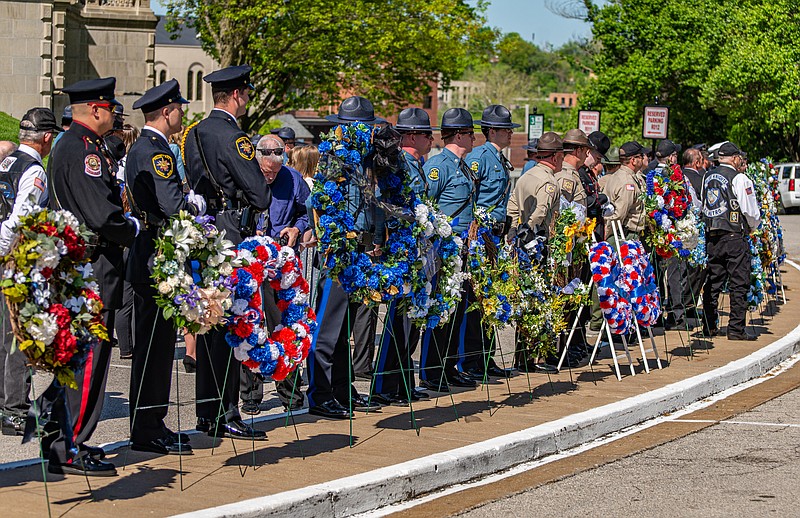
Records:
x=630, y=187
x=433, y=174
x=734, y=216
x=245, y=148
x=474, y=166
x=749, y=190
x=550, y=188
x=39, y=184
x=163, y=166
x=92, y=165
x=568, y=185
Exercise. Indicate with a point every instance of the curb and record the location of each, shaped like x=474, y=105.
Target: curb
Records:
x=393, y=484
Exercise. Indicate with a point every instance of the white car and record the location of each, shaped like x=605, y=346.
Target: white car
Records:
x=789, y=185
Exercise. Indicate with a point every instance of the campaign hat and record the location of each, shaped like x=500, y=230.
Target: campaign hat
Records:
x=550, y=142
x=355, y=109
x=457, y=118
x=497, y=116
x=413, y=119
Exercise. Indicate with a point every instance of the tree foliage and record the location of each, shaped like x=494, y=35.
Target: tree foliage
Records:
x=307, y=52
x=727, y=69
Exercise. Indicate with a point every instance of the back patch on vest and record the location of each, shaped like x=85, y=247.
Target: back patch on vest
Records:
x=7, y=163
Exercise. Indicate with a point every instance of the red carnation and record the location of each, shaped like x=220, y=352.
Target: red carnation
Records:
x=285, y=335
x=250, y=364
x=283, y=305
x=242, y=329
x=281, y=370
x=65, y=346
x=255, y=302
x=257, y=271
x=62, y=315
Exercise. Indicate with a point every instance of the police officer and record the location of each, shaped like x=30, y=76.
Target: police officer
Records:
x=454, y=186
x=492, y=169
x=532, y=207
x=221, y=166
x=530, y=160
x=22, y=179
x=155, y=193
x=79, y=181
x=576, y=148
x=330, y=391
x=624, y=190
x=730, y=210
x=400, y=338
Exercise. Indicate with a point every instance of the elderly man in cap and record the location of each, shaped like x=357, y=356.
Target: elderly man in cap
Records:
x=221, y=166
x=155, y=193
x=289, y=138
x=400, y=337
x=731, y=211
x=576, y=148
x=492, y=169
x=453, y=185
x=22, y=181
x=80, y=182
x=330, y=391
x=532, y=207
x=624, y=190
x=530, y=155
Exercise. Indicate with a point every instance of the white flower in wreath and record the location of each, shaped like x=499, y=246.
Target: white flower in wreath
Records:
x=75, y=304
x=226, y=269
x=42, y=327
x=41, y=296
x=48, y=256
x=36, y=275
x=164, y=288
x=443, y=228
x=239, y=306
x=666, y=224
x=299, y=330
x=262, y=335
x=660, y=201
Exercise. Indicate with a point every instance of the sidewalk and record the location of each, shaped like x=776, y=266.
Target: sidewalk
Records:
x=490, y=428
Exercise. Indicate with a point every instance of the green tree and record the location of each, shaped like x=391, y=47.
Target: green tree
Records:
x=307, y=52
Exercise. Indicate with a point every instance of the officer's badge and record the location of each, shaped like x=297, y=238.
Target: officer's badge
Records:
x=92, y=165
x=162, y=164
x=734, y=217
x=474, y=166
x=550, y=188
x=712, y=197
x=433, y=174
x=245, y=148
x=569, y=185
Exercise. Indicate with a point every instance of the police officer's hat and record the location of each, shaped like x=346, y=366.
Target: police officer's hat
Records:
x=667, y=147
x=230, y=78
x=285, y=133
x=162, y=95
x=92, y=90
x=457, y=118
x=497, y=116
x=611, y=157
x=600, y=140
x=577, y=138
x=413, y=119
x=729, y=149
x=631, y=148
x=532, y=145
x=39, y=119
x=355, y=109
x=66, y=117
x=550, y=142
x=119, y=114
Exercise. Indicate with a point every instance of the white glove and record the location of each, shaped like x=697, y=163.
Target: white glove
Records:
x=131, y=217
x=608, y=209
x=198, y=201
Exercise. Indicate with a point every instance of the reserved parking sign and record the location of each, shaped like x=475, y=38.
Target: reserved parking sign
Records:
x=656, y=122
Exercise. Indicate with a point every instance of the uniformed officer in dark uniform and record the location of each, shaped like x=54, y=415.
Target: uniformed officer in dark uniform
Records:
x=492, y=169
x=221, y=167
x=330, y=391
x=730, y=210
x=80, y=182
x=530, y=155
x=453, y=185
x=155, y=194
x=400, y=338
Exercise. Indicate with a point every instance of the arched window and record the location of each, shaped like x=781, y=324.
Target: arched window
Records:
x=162, y=77
x=198, y=85
x=190, y=86
x=194, y=83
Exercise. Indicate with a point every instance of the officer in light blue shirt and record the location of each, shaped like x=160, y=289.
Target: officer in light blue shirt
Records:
x=492, y=167
x=531, y=148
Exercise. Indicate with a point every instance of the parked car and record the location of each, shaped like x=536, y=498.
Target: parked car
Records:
x=789, y=186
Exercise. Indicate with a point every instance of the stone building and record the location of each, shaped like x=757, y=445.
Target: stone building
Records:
x=47, y=44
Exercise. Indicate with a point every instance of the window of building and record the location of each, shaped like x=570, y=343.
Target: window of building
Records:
x=190, y=86
x=427, y=103
x=162, y=77
x=570, y=102
x=198, y=89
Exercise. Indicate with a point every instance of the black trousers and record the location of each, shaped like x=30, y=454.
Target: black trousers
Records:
x=441, y=345
x=399, y=341
x=329, y=364
x=692, y=291
x=477, y=351
x=675, y=270
x=15, y=376
x=86, y=402
x=364, y=327
x=124, y=323
x=151, y=375
x=217, y=378
x=728, y=259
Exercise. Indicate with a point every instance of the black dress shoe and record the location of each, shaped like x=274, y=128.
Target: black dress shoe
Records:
x=389, y=399
x=417, y=395
x=459, y=380
x=364, y=404
x=93, y=451
x=183, y=437
x=250, y=408
x=189, y=364
x=85, y=465
x=497, y=372
x=434, y=387
x=545, y=368
x=710, y=332
x=674, y=324
x=742, y=337
x=330, y=409
x=163, y=446
x=13, y=425
x=237, y=429
x=203, y=424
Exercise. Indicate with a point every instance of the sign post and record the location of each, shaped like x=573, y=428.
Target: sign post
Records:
x=535, y=125
x=589, y=121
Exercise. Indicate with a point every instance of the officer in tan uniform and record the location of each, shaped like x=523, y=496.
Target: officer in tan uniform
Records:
x=624, y=190
x=576, y=148
x=535, y=198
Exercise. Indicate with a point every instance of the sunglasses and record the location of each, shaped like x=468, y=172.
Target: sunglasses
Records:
x=268, y=152
x=426, y=135
x=106, y=106
x=470, y=133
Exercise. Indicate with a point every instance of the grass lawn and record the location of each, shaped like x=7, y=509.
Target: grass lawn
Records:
x=9, y=127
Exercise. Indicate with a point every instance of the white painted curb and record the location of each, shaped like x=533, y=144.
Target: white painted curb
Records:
x=385, y=486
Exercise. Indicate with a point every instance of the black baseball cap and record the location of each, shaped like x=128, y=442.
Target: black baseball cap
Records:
x=667, y=147
x=631, y=148
x=39, y=119
x=729, y=149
